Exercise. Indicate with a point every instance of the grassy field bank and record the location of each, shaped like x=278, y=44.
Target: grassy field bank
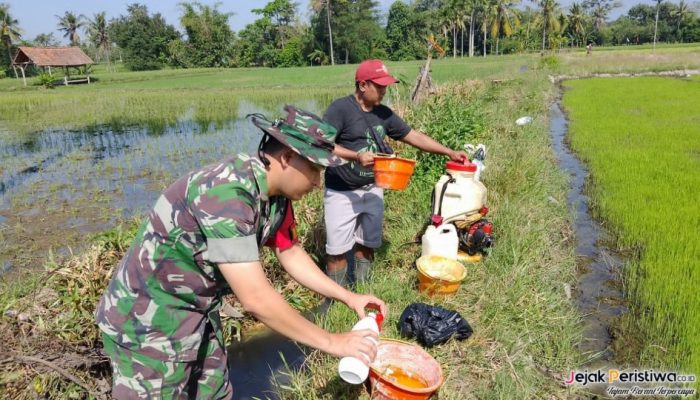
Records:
x=526, y=330
x=641, y=139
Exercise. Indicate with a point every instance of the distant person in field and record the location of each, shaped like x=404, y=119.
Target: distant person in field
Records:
x=589, y=48
x=353, y=204
x=159, y=317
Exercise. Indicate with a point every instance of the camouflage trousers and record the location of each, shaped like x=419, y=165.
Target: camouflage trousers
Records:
x=136, y=376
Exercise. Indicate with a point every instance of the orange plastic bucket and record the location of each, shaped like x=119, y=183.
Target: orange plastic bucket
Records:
x=439, y=275
x=391, y=172
x=403, y=371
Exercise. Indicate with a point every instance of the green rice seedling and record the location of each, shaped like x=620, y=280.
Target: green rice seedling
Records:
x=640, y=139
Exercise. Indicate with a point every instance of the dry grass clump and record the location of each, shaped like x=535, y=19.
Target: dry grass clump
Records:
x=51, y=342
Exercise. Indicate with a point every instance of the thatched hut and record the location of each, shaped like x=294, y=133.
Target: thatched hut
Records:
x=53, y=57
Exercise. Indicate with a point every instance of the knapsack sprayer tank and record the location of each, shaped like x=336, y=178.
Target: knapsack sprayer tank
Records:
x=457, y=193
x=460, y=199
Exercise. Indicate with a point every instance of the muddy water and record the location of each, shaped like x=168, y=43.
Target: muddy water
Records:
x=597, y=294
x=60, y=186
x=260, y=362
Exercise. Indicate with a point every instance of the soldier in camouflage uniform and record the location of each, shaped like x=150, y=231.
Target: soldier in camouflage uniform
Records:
x=159, y=317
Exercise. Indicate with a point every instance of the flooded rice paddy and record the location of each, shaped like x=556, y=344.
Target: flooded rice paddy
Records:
x=58, y=187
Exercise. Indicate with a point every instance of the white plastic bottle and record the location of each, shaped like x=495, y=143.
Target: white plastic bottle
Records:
x=350, y=369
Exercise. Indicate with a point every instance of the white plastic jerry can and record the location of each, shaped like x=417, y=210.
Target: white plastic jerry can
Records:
x=440, y=241
x=458, y=193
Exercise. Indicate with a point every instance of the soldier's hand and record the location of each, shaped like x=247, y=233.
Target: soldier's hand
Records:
x=361, y=344
x=365, y=158
x=359, y=302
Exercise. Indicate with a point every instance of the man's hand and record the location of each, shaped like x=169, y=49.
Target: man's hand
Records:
x=365, y=158
x=360, y=344
x=359, y=302
x=458, y=156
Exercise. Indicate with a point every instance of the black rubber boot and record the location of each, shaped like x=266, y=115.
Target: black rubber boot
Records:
x=363, y=267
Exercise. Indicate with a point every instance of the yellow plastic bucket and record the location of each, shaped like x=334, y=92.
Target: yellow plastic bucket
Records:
x=439, y=275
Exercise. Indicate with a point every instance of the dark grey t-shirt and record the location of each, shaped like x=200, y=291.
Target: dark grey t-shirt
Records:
x=354, y=133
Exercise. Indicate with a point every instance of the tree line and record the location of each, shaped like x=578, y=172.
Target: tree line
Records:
x=348, y=31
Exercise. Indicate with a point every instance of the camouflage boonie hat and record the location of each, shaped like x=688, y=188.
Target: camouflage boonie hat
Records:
x=305, y=133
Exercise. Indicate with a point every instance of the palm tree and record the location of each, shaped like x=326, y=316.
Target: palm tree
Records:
x=680, y=14
x=460, y=18
x=9, y=29
x=473, y=6
x=318, y=5
x=557, y=37
x=445, y=21
x=70, y=24
x=548, y=18
x=599, y=10
x=44, y=40
x=99, y=37
x=656, y=23
x=485, y=21
x=503, y=19
x=577, y=22
x=319, y=57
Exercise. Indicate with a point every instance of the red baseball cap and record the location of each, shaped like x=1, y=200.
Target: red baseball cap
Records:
x=375, y=71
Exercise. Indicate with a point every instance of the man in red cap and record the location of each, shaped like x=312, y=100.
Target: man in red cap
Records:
x=354, y=205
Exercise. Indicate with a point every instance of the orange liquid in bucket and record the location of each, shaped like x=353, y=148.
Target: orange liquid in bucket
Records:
x=405, y=379
x=418, y=378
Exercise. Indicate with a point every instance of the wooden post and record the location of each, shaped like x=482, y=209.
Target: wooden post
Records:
x=50, y=73
x=24, y=78
x=14, y=68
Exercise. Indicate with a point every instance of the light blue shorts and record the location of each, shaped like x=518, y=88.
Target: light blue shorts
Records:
x=353, y=216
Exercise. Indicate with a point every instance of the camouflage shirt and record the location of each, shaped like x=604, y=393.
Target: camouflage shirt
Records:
x=168, y=282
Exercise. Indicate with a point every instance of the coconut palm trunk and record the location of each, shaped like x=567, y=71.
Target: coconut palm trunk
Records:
x=454, y=41
x=656, y=23
x=544, y=35
x=330, y=33
x=471, y=35
x=8, y=44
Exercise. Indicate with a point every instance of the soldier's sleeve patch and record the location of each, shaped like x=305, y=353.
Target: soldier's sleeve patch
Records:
x=286, y=236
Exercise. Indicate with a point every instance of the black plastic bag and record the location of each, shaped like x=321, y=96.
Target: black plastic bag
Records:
x=432, y=325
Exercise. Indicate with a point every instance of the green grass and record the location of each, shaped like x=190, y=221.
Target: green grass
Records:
x=641, y=139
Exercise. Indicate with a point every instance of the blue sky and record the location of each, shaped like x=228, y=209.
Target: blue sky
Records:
x=39, y=16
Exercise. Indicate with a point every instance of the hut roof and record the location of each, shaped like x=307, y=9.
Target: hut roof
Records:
x=52, y=56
